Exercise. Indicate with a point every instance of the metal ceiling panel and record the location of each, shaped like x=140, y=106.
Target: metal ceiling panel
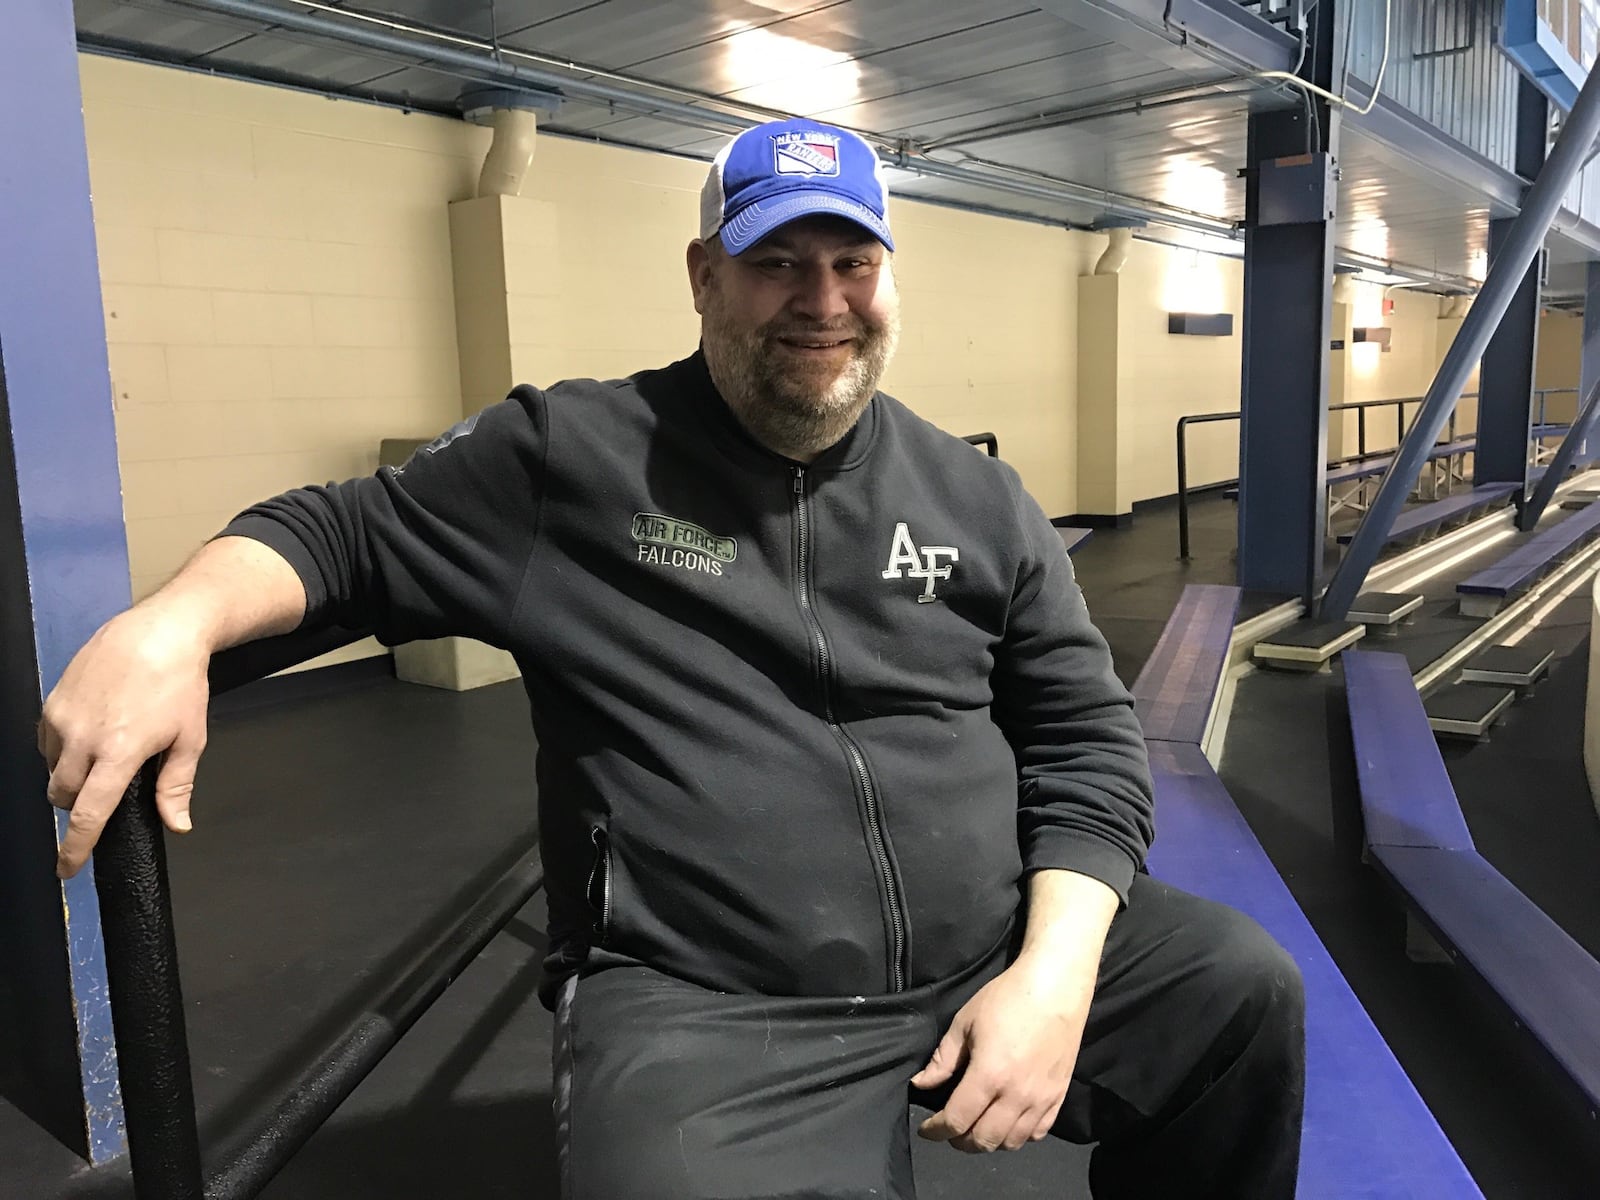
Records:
x=932, y=110
x=312, y=58
x=905, y=69
x=176, y=34
x=855, y=29
x=623, y=34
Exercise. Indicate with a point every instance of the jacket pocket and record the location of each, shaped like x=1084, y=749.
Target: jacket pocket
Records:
x=599, y=888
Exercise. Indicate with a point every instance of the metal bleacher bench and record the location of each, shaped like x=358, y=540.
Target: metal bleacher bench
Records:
x=1367, y=1132
x=1417, y=837
x=1483, y=593
x=1428, y=517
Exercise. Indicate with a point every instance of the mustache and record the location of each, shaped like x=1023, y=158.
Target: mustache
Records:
x=858, y=330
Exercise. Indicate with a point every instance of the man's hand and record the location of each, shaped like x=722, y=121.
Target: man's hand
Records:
x=136, y=689
x=1016, y=1041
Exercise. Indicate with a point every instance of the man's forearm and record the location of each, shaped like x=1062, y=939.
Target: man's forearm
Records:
x=234, y=590
x=1068, y=917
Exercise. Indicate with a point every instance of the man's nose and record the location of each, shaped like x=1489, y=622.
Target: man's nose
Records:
x=819, y=295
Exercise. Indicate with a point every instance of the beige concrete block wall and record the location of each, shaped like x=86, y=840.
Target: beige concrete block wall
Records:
x=278, y=287
x=1559, y=361
x=1163, y=376
x=276, y=276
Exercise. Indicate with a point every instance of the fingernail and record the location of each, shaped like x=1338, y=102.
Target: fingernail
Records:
x=181, y=822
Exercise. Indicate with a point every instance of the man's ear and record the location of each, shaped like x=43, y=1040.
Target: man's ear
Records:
x=699, y=263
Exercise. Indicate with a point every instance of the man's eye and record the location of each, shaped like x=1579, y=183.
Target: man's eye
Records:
x=775, y=264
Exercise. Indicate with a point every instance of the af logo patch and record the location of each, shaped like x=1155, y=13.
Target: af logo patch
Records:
x=669, y=542
x=905, y=559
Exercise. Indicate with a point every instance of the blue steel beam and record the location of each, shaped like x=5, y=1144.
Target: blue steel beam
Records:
x=1566, y=455
x=1505, y=274
x=1288, y=281
x=1505, y=383
x=63, y=564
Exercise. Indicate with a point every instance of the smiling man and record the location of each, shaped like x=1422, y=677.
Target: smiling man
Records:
x=842, y=808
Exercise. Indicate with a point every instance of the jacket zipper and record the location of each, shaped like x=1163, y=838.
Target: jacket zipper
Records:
x=858, y=761
x=602, y=870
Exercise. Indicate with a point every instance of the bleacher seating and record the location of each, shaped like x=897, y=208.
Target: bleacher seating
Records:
x=1367, y=1132
x=1530, y=559
x=1427, y=518
x=1175, y=691
x=1417, y=836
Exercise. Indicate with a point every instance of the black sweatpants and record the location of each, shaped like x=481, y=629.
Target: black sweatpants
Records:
x=1190, y=1079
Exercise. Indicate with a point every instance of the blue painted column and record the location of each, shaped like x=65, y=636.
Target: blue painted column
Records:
x=1288, y=286
x=63, y=568
x=1506, y=377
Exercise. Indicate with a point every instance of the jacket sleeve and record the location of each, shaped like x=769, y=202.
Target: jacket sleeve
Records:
x=1084, y=800
x=434, y=548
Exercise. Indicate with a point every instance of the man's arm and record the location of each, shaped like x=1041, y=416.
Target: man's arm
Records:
x=438, y=547
x=1084, y=810
x=1016, y=1041
x=138, y=686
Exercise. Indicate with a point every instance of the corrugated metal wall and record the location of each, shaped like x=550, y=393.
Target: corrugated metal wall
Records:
x=1444, y=65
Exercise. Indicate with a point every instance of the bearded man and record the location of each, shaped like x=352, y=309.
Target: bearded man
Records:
x=842, y=808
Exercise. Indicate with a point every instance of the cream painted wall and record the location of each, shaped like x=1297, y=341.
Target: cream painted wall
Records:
x=1559, y=361
x=1163, y=376
x=276, y=269
x=276, y=277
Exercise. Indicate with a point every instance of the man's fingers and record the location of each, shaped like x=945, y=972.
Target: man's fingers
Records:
x=949, y=1056
x=999, y=1127
x=960, y=1113
x=175, y=783
x=1048, y=1121
x=66, y=780
x=100, y=794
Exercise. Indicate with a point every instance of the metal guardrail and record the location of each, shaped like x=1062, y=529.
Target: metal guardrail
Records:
x=1359, y=407
x=147, y=999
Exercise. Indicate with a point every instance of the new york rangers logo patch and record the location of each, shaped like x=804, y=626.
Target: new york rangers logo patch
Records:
x=809, y=153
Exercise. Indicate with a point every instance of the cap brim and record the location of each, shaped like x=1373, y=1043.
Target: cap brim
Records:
x=755, y=221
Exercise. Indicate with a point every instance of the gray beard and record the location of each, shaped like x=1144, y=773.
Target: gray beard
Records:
x=789, y=410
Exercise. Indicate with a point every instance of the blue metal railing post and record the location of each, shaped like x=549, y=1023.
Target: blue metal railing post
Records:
x=1505, y=274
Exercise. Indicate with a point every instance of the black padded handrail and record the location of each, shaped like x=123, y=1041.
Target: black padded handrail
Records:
x=147, y=1007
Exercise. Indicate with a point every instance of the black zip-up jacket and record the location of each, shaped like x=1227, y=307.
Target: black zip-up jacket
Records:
x=802, y=729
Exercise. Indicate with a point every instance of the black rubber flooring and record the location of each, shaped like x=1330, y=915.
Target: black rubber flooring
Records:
x=336, y=818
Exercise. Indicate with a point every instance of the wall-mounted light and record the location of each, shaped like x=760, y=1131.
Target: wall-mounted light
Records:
x=1201, y=324
x=1375, y=334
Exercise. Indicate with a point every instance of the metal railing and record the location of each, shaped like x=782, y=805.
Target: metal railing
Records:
x=987, y=440
x=147, y=999
x=1362, y=454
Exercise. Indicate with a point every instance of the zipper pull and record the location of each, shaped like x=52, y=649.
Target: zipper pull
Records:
x=799, y=481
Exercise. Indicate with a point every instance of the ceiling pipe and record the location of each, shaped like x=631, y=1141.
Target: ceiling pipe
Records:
x=1061, y=118
x=1116, y=256
x=409, y=43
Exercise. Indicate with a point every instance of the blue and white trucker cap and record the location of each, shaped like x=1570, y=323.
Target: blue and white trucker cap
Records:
x=785, y=170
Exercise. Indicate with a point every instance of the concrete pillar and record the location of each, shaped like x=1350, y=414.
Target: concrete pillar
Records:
x=1099, y=301
x=502, y=254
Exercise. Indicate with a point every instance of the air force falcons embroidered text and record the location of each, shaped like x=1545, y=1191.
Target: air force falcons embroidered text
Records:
x=823, y=771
